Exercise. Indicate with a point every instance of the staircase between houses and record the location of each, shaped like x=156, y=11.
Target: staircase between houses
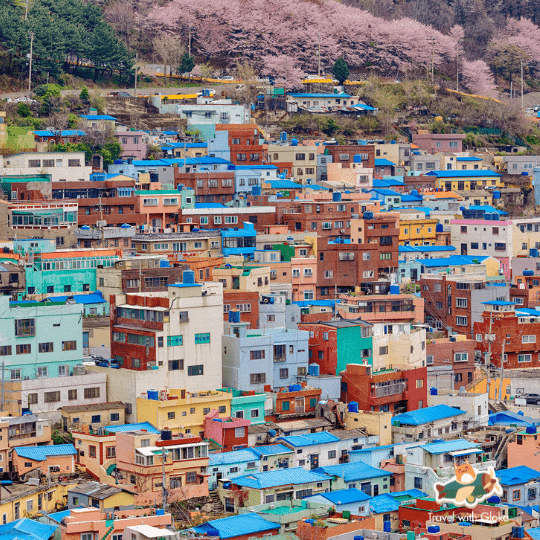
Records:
x=83, y=473
x=497, y=406
x=109, y=530
x=218, y=508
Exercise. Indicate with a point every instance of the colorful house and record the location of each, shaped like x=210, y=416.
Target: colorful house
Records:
x=228, y=433
x=95, y=495
x=242, y=527
x=54, y=459
x=371, y=480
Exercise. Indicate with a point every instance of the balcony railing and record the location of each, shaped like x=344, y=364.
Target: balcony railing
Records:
x=390, y=390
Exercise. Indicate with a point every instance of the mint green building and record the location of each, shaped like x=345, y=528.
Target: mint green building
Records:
x=67, y=272
x=40, y=339
x=249, y=407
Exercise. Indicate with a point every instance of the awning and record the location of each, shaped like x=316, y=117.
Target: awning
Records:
x=465, y=452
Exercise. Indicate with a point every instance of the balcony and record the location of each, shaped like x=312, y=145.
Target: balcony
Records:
x=280, y=358
x=389, y=390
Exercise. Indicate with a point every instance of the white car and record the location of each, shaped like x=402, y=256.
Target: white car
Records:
x=25, y=99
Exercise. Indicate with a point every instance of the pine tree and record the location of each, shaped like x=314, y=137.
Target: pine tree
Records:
x=186, y=64
x=341, y=70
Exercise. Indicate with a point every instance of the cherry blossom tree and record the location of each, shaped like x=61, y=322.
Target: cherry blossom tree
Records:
x=284, y=70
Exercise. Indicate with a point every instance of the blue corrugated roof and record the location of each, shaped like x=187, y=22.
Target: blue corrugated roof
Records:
x=383, y=162
x=429, y=414
x=280, y=477
x=243, y=524
x=382, y=504
x=41, y=453
x=517, y=475
x=499, y=303
x=270, y=450
x=26, y=529
x=449, y=446
x=468, y=158
x=386, y=183
x=508, y=418
x=345, y=496
x=227, y=458
x=413, y=493
x=133, y=427
x=364, y=106
x=309, y=439
x=385, y=192
x=149, y=162
x=284, y=184
x=452, y=260
x=206, y=160
x=316, y=187
x=93, y=298
x=97, y=117
x=527, y=311
x=486, y=208
x=209, y=205
x=462, y=174
x=351, y=472
x=534, y=532
x=256, y=167
x=411, y=198
x=64, y=133
x=424, y=249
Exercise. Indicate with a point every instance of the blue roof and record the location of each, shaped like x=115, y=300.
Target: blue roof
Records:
x=378, y=183
x=345, y=496
x=310, y=439
x=41, y=453
x=97, y=117
x=26, y=529
x=270, y=450
x=452, y=260
x=424, y=249
x=385, y=192
x=321, y=95
x=468, y=158
x=429, y=414
x=133, y=427
x=206, y=160
x=351, y=472
x=364, y=106
x=462, y=174
x=227, y=458
x=499, y=303
x=284, y=184
x=240, y=525
x=517, y=475
x=148, y=162
x=382, y=162
x=280, y=477
x=412, y=493
x=59, y=516
x=527, y=311
x=449, y=446
x=64, y=133
x=411, y=198
x=256, y=167
x=316, y=187
x=534, y=532
x=382, y=504
x=486, y=208
x=209, y=205
x=508, y=418
x=93, y=298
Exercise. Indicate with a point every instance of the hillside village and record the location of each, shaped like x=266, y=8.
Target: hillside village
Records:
x=224, y=317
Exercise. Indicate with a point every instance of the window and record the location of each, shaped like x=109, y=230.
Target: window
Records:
x=419, y=383
x=191, y=477
x=257, y=378
x=202, y=338
x=115, y=417
x=171, y=415
x=429, y=360
x=516, y=495
x=461, y=321
x=528, y=339
x=32, y=399
x=16, y=374
x=383, y=350
x=42, y=372
x=254, y=413
x=52, y=397
x=23, y=349
x=195, y=370
x=418, y=482
x=91, y=393
x=524, y=358
x=5, y=350
x=72, y=395
x=69, y=345
x=284, y=373
x=25, y=327
x=461, y=357
x=256, y=355
x=461, y=302
x=175, y=365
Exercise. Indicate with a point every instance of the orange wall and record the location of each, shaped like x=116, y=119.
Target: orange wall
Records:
x=66, y=464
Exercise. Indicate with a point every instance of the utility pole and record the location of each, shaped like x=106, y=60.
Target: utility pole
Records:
x=489, y=352
x=2, y=385
x=26, y=11
x=163, y=488
x=136, y=73
x=457, y=69
x=502, y=370
x=30, y=63
x=522, y=85
x=433, y=60
x=189, y=43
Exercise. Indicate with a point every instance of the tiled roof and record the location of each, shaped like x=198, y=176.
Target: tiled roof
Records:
x=351, y=472
x=41, y=453
x=429, y=414
x=97, y=490
x=280, y=477
x=93, y=407
x=243, y=524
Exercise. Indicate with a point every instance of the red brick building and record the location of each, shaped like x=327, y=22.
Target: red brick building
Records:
x=519, y=335
x=113, y=201
x=246, y=302
x=391, y=390
x=344, y=154
x=450, y=358
x=244, y=144
x=229, y=217
x=229, y=433
x=210, y=187
x=301, y=402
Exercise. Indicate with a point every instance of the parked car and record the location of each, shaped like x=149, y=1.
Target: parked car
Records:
x=107, y=362
x=532, y=399
x=25, y=99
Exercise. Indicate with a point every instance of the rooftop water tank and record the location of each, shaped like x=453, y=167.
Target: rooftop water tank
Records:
x=433, y=391
x=439, y=227
x=496, y=194
x=531, y=429
x=166, y=435
x=528, y=273
x=85, y=228
x=164, y=263
x=234, y=316
x=188, y=277
x=295, y=388
x=256, y=191
x=153, y=394
x=520, y=413
x=294, y=142
x=313, y=370
x=394, y=288
x=336, y=196
x=353, y=407
x=357, y=158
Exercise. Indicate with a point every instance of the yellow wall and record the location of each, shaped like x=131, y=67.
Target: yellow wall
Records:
x=376, y=423
x=156, y=412
x=119, y=499
x=480, y=182
x=408, y=230
x=481, y=388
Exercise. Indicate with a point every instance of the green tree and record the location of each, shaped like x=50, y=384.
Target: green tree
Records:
x=341, y=70
x=84, y=95
x=23, y=110
x=187, y=63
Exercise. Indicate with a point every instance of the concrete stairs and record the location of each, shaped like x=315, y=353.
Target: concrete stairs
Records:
x=218, y=509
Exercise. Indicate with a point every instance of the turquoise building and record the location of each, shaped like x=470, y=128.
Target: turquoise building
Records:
x=67, y=272
x=249, y=406
x=40, y=339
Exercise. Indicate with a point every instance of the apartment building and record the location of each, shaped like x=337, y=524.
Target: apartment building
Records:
x=244, y=141
x=230, y=217
x=179, y=245
x=303, y=159
x=161, y=207
x=439, y=142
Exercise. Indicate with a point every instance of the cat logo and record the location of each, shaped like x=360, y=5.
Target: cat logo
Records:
x=468, y=488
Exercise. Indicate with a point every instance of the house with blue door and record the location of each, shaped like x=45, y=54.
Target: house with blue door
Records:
x=384, y=508
x=345, y=500
x=243, y=525
x=313, y=450
x=371, y=480
x=231, y=465
x=521, y=486
x=274, y=456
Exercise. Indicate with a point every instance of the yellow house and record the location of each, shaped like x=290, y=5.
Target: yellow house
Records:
x=106, y=498
x=479, y=386
x=466, y=180
x=416, y=229
x=26, y=501
x=243, y=278
x=374, y=422
x=183, y=411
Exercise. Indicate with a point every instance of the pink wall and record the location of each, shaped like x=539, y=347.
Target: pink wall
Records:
x=65, y=463
x=216, y=430
x=137, y=150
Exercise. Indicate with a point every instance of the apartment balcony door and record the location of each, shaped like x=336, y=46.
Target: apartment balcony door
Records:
x=299, y=405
